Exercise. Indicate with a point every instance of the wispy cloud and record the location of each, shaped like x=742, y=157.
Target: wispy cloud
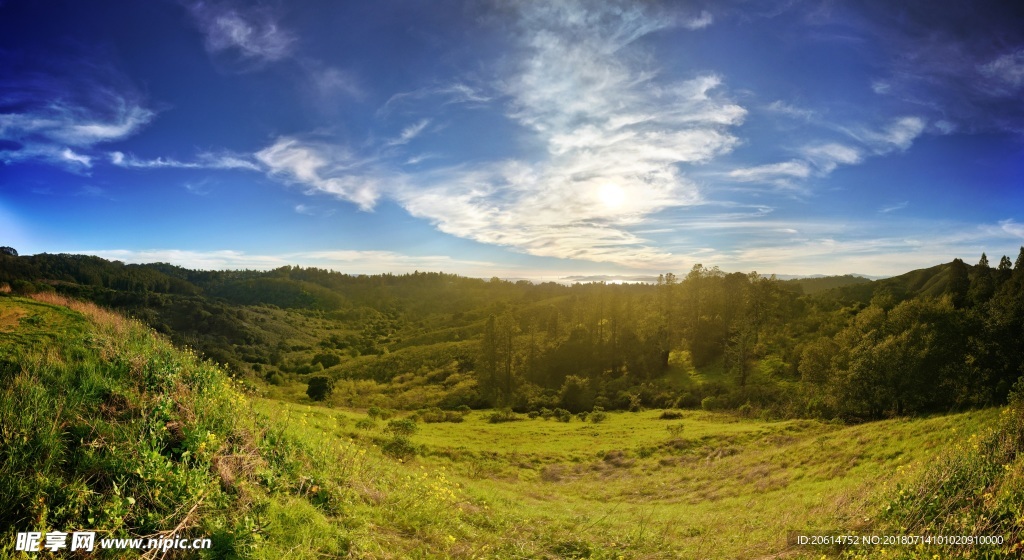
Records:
x=776, y=173
x=323, y=168
x=62, y=105
x=204, y=161
x=253, y=33
x=821, y=159
x=894, y=207
x=456, y=92
x=782, y=108
x=616, y=139
x=409, y=132
x=1007, y=69
x=700, y=22
x=1012, y=228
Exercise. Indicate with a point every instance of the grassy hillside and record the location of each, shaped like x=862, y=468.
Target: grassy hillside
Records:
x=107, y=427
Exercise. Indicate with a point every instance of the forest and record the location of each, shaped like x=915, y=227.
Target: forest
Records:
x=947, y=338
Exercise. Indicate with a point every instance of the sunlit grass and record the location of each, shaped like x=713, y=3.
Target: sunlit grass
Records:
x=722, y=487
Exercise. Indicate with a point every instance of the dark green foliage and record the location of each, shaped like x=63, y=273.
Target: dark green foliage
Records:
x=499, y=416
x=8, y=251
x=401, y=427
x=327, y=359
x=436, y=415
x=711, y=339
x=319, y=387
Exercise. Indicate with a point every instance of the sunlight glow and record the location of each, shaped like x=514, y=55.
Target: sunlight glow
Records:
x=611, y=195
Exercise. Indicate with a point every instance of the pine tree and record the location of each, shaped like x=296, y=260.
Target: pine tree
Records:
x=1005, y=264
x=984, y=261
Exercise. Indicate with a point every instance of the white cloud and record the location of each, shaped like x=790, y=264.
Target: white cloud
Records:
x=826, y=157
x=323, y=169
x=204, y=161
x=900, y=134
x=771, y=172
x=894, y=207
x=73, y=157
x=1012, y=227
x=783, y=108
x=456, y=92
x=251, y=32
x=616, y=138
x=76, y=125
x=700, y=22
x=409, y=132
x=1008, y=69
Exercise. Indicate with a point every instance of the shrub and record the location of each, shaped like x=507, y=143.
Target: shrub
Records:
x=401, y=427
x=320, y=387
x=376, y=413
x=499, y=416
x=435, y=415
x=711, y=403
x=366, y=424
x=562, y=415
x=598, y=415
x=671, y=415
x=398, y=447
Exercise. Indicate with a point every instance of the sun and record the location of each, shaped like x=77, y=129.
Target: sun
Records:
x=611, y=195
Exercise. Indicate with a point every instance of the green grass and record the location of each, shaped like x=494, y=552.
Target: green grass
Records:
x=725, y=487
x=108, y=427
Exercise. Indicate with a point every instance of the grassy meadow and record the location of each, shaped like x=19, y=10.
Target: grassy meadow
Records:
x=705, y=485
x=106, y=426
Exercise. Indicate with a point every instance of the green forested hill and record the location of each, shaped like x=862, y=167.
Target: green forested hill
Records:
x=937, y=339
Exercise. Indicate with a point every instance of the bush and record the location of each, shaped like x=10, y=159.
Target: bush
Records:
x=598, y=415
x=320, y=387
x=401, y=427
x=399, y=447
x=366, y=424
x=562, y=415
x=671, y=415
x=435, y=415
x=711, y=403
x=378, y=413
x=499, y=416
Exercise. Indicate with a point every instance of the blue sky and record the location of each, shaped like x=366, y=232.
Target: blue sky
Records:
x=517, y=139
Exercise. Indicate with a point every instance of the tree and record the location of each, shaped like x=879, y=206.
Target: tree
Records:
x=1005, y=264
x=9, y=251
x=1018, y=265
x=959, y=282
x=319, y=387
x=983, y=285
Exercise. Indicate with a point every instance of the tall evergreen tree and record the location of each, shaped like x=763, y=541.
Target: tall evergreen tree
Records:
x=959, y=282
x=1005, y=264
x=983, y=262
